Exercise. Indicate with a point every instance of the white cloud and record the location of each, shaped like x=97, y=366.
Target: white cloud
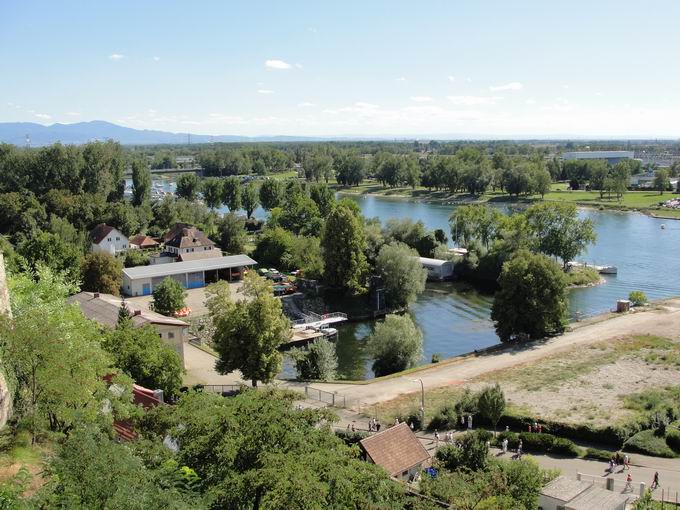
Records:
x=565, y=86
x=401, y=78
x=421, y=99
x=366, y=106
x=468, y=79
x=473, y=100
x=299, y=66
x=43, y=116
x=513, y=85
x=306, y=104
x=151, y=111
x=277, y=64
x=530, y=101
x=329, y=112
x=73, y=114
x=452, y=79
x=599, y=94
x=157, y=59
x=265, y=91
x=116, y=56
x=312, y=30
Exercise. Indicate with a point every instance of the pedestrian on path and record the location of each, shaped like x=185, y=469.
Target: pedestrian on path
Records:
x=462, y=421
x=655, y=482
x=629, y=483
x=626, y=462
x=436, y=439
x=377, y=426
x=505, y=446
x=353, y=429
x=469, y=422
x=519, y=448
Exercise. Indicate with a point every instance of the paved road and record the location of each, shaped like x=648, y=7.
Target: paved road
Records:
x=664, y=321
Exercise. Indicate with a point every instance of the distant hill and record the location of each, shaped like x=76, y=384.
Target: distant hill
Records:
x=83, y=132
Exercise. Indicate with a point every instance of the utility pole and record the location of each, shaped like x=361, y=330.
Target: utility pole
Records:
x=422, y=400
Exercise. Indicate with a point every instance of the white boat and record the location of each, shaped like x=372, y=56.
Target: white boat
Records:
x=607, y=269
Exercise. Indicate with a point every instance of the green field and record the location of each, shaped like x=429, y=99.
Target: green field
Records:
x=647, y=201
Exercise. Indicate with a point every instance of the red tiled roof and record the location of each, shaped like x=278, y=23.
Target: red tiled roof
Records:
x=396, y=449
x=189, y=237
x=98, y=233
x=143, y=241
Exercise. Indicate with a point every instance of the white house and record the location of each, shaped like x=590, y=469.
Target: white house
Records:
x=566, y=494
x=437, y=269
x=108, y=239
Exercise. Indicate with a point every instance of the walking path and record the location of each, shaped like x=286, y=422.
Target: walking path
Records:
x=664, y=321
x=642, y=469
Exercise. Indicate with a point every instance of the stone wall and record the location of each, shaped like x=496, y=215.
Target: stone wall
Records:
x=5, y=393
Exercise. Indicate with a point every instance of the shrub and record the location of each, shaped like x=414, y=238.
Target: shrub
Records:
x=413, y=417
x=351, y=438
x=637, y=297
x=445, y=418
x=512, y=437
x=547, y=443
x=436, y=357
x=673, y=439
x=648, y=443
x=594, y=453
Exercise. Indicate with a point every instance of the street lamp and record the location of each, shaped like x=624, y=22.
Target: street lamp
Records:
x=422, y=400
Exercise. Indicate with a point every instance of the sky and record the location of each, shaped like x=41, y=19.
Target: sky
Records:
x=456, y=68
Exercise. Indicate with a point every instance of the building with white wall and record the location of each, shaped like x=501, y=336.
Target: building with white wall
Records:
x=108, y=239
x=191, y=274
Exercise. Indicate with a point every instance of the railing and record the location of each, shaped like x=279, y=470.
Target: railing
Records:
x=334, y=399
x=222, y=389
x=614, y=485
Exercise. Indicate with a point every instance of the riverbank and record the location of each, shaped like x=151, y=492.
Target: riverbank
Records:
x=646, y=202
x=662, y=320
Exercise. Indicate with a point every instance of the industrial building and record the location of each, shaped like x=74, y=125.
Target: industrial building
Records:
x=612, y=157
x=437, y=269
x=191, y=274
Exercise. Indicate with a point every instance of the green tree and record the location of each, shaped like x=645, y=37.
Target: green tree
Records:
x=249, y=332
x=55, y=355
x=50, y=250
x=250, y=199
x=599, y=171
x=323, y=197
x=271, y=193
x=318, y=166
x=637, y=297
x=232, y=233
x=491, y=404
x=212, y=192
x=559, y=231
x=91, y=470
x=349, y=169
x=300, y=215
x=133, y=258
x=168, y=297
x=396, y=344
x=343, y=245
x=305, y=255
x=102, y=272
x=473, y=453
x=318, y=361
x=188, y=186
x=475, y=222
x=661, y=181
x=531, y=301
x=540, y=182
x=141, y=182
x=231, y=193
x=141, y=354
x=274, y=248
x=402, y=273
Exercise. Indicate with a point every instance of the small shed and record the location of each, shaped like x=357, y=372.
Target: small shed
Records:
x=437, y=269
x=566, y=494
x=397, y=450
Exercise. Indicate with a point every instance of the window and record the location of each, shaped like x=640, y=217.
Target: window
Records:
x=108, y=239
x=160, y=335
x=117, y=238
x=171, y=335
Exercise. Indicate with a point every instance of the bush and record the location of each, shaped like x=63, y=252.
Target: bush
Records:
x=648, y=443
x=351, y=438
x=637, y=297
x=413, y=417
x=673, y=439
x=436, y=357
x=445, y=418
x=603, y=455
x=547, y=443
x=512, y=437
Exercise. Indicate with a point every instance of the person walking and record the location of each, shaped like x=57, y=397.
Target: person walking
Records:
x=436, y=439
x=629, y=483
x=469, y=422
x=626, y=462
x=519, y=448
x=462, y=421
x=377, y=426
x=655, y=482
x=505, y=446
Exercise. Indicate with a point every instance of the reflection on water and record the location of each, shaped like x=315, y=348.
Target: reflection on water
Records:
x=455, y=318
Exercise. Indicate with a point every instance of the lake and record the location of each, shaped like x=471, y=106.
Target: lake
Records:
x=455, y=318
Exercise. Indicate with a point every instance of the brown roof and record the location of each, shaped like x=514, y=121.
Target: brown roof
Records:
x=98, y=233
x=143, y=241
x=396, y=449
x=199, y=255
x=104, y=309
x=174, y=230
x=189, y=237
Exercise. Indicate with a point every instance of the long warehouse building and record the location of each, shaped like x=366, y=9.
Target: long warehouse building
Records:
x=141, y=280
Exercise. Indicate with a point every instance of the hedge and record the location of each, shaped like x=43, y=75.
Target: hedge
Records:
x=548, y=443
x=649, y=443
x=673, y=439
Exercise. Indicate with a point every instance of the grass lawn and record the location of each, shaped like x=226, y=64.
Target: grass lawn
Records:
x=643, y=200
x=582, y=385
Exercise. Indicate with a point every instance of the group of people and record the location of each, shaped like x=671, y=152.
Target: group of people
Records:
x=617, y=460
x=448, y=438
x=373, y=425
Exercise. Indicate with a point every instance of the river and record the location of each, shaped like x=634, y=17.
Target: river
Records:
x=455, y=318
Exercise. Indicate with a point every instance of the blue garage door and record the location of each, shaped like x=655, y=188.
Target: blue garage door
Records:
x=195, y=280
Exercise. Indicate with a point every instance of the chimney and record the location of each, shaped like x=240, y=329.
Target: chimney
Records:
x=137, y=312
x=95, y=295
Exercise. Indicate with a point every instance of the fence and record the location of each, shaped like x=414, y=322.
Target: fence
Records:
x=614, y=485
x=222, y=389
x=335, y=400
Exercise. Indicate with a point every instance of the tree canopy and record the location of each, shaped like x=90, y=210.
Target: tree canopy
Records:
x=396, y=344
x=343, y=245
x=168, y=297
